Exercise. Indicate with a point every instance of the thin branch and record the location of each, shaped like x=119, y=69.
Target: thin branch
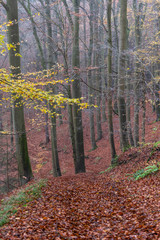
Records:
x=4, y=5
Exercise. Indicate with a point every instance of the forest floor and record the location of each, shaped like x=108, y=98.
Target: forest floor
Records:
x=91, y=205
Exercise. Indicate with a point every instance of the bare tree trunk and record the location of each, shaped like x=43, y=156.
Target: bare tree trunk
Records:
x=76, y=92
x=90, y=85
x=69, y=107
x=143, y=106
x=122, y=75
x=115, y=10
x=55, y=158
x=128, y=112
x=109, y=87
x=103, y=75
x=97, y=71
x=24, y=166
x=139, y=20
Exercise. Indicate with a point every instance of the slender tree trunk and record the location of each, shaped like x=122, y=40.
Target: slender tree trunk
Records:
x=76, y=92
x=128, y=105
x=128, y=112
x=24, y=166
x=103, y=73
x=97, y=71
x=90, y=85
x=55, y=158
x=122, y=75
x=139, y=20
x=143, y=106
x=71, y=125
x=115, y=10
x=66, y=73
x=109, y=86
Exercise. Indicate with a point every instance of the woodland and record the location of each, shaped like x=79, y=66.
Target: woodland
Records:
x=79, y=119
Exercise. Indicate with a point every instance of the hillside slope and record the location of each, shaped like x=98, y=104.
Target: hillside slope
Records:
x=94, y=206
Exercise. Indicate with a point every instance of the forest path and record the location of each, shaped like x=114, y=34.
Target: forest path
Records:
x=90, y=206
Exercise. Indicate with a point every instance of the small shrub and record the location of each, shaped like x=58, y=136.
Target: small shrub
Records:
x=10, y=206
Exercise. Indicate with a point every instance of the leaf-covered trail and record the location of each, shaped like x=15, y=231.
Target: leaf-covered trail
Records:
x=90, y=206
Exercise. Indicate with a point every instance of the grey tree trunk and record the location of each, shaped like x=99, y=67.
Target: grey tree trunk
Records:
x=143, y=106
x=128, y=112
x=103, y=72
x=69, y=107
x=109, y=85
x=90, y=84
x=97, y=71
x=122, y=76
x=139, y=20
x=128, y=102
x=24, y=166
x=115, y=9
x=76, y=92
x=55, y=158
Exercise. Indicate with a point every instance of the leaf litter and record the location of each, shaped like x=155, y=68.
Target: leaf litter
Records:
x=90, y=205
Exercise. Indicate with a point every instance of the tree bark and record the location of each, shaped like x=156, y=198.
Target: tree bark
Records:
x=76, y=92
x=55, y=158
x=109, y=86
x=24, y=166
x=122, y=75
x=90, y=84
x=97, y=71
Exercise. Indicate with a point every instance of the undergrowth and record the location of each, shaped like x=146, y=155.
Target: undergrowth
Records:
x=142, y=173
x=10, y=206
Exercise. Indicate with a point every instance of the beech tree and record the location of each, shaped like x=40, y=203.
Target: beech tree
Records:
x=122, y=76
x=76, y=92
x=109, y=75
x=24, y=166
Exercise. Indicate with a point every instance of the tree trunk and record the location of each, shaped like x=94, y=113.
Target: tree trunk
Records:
x=115, y=10
x=90, y=85
x=103, y=73
x=109, y=85
x=24, y=166
x=122, y=75
x=139, y=20
x=97, y=71
x=55, y=158
x=76, y=92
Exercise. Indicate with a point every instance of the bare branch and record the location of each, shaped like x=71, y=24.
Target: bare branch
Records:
x=4, y=5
